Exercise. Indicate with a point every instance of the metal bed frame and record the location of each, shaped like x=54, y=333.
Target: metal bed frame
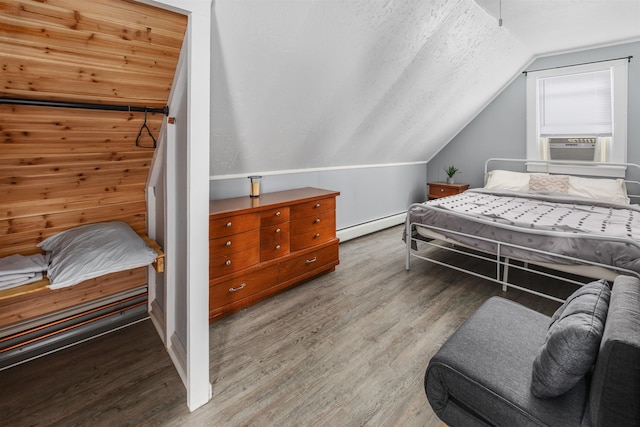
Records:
x=502, y=262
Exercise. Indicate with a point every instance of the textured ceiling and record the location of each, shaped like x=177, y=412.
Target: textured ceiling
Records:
x=303, y=84
x=548, y=26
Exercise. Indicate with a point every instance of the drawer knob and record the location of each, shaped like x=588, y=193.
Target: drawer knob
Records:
x=228, y=243
x=227, y=262
x=232, y=290
x=229, y=224
x=278, y=213
x=311, y=261
x=277, y=230
x=442, y=190
x=317, y=220
x=277, y=246
x=317, y=205
x=317, y=235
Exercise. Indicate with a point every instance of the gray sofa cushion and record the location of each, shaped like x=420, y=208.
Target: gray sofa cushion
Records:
x=482, y=374
x=572, y=341
x=615, y=385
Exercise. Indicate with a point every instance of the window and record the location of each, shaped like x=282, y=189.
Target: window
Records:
x=578, y=113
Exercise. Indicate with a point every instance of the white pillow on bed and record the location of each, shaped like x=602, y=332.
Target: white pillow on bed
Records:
x=507, y=180
x=93, y=250
x=609, y=190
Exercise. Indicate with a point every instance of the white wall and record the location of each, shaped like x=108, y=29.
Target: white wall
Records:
x=499, y=130
x=367, y=193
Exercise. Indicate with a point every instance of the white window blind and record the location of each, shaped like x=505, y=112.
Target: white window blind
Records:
x=576, y=104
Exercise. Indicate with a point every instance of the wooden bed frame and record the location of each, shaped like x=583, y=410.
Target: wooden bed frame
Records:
x=417, y=233
x=34, y=300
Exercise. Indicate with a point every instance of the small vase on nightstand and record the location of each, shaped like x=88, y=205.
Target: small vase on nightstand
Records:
x=450, y=180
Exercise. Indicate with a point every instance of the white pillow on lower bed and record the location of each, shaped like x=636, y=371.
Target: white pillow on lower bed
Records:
x=507, y=180
x=93, y=250
x=609, y=190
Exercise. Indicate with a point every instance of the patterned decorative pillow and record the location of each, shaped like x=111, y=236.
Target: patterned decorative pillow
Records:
x=572, y=342
x=546, y=182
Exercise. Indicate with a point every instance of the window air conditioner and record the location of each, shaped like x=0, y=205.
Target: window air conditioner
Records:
x=574, y=148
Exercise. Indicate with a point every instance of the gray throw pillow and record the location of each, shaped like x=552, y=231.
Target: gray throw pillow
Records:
x=572, y=342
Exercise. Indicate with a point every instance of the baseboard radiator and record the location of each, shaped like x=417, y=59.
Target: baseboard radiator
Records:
x=72, y=328
x=369, y=227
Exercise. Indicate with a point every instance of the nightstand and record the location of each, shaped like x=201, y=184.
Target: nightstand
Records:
x=442, y=189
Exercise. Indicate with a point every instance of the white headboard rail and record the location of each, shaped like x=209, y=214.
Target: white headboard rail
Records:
x=630, y=172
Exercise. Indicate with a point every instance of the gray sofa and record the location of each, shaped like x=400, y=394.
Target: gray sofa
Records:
x=484, y=374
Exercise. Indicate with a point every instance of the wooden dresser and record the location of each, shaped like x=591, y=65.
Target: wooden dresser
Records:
x=260, y=246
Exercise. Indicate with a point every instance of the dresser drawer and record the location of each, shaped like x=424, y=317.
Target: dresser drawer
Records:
x=274, y=216
x=437, y=190
x=311, y=223
x=226, y=246
x=314, y=260
x=233, y=224
x=314, y=235
x=315, y=207
x=275, y=233
x=273, y=250
x=227, y=264
x=232, y=290
x=274, y=241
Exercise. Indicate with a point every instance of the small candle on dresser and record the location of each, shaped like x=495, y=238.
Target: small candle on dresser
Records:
x=254, y=190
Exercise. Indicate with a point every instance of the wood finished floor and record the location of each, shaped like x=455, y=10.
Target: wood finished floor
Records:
x=347, y=349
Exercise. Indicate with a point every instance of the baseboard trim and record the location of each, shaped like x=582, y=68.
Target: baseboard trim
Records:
x=178, y=355
x=363, y=229
x=157, y=318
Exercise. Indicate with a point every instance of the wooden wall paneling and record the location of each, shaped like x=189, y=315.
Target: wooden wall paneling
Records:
x=90, y=129
x=82, y=203
x=45, y=224
x=56, y=192
x=96, y=51
x=50, y=160
x=125, y=19
x=107, y=57
x=61, y=167
x=58, y=183
x=25, y=243
x=106, y=16
x=69, y=168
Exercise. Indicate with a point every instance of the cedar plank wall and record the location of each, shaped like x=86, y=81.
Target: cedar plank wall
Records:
x=60, y=167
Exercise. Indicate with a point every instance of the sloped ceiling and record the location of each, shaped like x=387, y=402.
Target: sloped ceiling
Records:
x=301, y=84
